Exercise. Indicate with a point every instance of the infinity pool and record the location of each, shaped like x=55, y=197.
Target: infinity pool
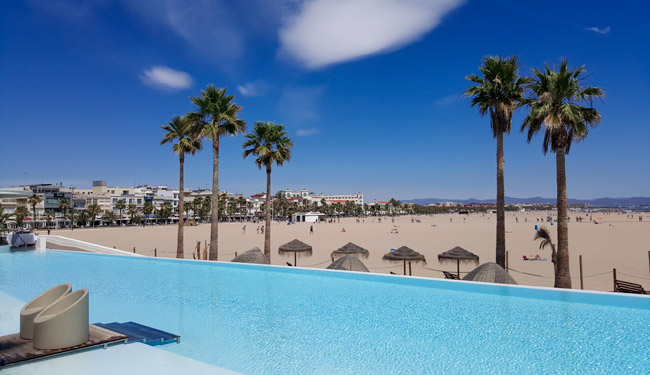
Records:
x=278, y=320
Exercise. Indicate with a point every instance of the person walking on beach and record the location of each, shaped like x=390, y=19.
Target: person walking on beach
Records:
x=311, y=229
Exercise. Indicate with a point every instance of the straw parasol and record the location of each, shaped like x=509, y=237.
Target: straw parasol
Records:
x=351, y=249
x=405, y=254
x=490, y=273
x=348, y=263
x=295, y=247
x=253, y=255
x=457, y=254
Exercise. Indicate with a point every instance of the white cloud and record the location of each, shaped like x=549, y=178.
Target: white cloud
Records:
x=300, y=104
x=257, y=88
x=208, y=26
x=306, y=132
x=599, y=30
x=166, y=78
x=325, y=32
x=447, y=100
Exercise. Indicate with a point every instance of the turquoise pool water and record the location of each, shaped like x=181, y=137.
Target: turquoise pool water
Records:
x=276, y=320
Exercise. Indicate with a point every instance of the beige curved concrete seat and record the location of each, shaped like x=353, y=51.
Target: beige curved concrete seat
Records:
x=36, y=305
x=64, y=323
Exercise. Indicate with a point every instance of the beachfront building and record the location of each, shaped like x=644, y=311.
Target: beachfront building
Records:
x=304, y=195
x=307, y=217
x=378, y=207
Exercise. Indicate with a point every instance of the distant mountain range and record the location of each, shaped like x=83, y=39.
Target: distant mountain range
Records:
x=599, y=202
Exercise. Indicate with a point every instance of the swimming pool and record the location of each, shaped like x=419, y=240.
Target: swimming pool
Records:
x=278, y=320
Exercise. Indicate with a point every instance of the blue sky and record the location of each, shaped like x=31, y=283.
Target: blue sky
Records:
x=368, y=90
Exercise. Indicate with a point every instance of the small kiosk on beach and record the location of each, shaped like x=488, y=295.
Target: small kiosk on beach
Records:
x=307, y=217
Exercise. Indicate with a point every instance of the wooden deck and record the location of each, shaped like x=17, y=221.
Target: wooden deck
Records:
x=15, y=350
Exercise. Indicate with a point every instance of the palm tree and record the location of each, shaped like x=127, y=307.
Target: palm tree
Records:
x=93, y=211
x=499, y=92
x=187, y=207
x=109, y=217
x=180, y=130
x=215, y=117
x=543, y=234
x=271, y=144
x=71, y=216
x=197, y=204
x=4, y=217
x=64, y=205
x=120, y=205
x=48, y=218
x=82, y=218
x=241, y=204
x=132, y=210
x=20, y=214
x=33, y=201
x=222, y=204
x=554, y=107
x=147, y=209
x=206, y=207
x=395, y=204
x=165, y=211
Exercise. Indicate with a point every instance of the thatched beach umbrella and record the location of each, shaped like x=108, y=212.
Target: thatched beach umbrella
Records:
x=405, y=254
x=295, y=247
x=348, y=263
x=253, y=255
x=350, y=249
x=490, y=273
x=457, y=254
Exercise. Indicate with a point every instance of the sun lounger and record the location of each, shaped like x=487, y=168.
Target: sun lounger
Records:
x=38, y=304
x=627, y=287
x=64, y=323
x=450, y=276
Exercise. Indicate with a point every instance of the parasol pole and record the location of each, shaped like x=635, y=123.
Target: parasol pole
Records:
x=458, y=267
x=295, y=259
x=404, y=267
x=410, y=268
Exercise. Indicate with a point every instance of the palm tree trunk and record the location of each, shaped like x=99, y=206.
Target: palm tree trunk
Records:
x=34, y=209
x=214, y=227
x=179, y=244
x=563, y=275
x=501, y=215
x=267, y=231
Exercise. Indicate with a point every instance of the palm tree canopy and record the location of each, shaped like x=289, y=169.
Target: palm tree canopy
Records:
x=554, y=106
x=270, y=143
x=498, y=92
x=34, y=200
x=94, y=209
x=64, y=204
x=180, y=129
x=216, y=114
x=109, y=216
x=543, y=233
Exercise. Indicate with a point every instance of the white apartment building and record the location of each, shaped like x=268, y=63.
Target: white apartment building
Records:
x=357, y=198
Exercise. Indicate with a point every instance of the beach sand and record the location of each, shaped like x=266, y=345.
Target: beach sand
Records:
x=617, y=242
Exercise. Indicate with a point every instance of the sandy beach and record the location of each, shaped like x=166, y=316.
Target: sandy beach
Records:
x=618, y=241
